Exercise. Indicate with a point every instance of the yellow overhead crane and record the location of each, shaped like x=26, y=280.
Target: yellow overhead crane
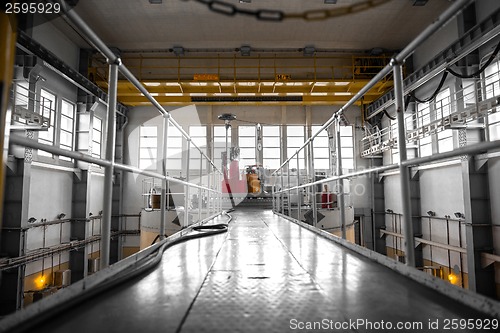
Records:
x=230, y=79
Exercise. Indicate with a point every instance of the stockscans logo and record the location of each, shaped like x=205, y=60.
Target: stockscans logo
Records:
x=32, y=13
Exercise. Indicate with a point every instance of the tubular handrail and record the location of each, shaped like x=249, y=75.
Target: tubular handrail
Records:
x=112, y=58
x=467, y=150
x=443, y=19
x=22, y=141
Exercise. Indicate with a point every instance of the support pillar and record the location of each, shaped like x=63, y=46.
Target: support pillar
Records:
x=8, y=28
x=404, y=173
x=478, y=229
x=108, y=171
x=340, y=195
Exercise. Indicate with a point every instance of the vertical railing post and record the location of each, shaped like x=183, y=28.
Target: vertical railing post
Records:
x=108, y=170
x=209, y=193
x=186, y=187
x=289, y=192
x=313, y=188
x=403, y=170
x=164, y=188
x=200, y=201
x=299, y=208
x=340, y=187
x=282, y=206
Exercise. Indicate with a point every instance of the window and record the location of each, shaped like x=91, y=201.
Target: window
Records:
x=219, y=142
x=469, y=92
x=295, y=139
x=148, y=151
x=174, y=149
x=271, y=147
x=445, y=141
x=443, y=108
x=494, y=126
x=347, y=146
x=96, y=137
x=67, y=127
x=394, y=135
x=47, y=106
x=492, y=78
x=246, y=141
x=423, y=114
x=321, y=149
x=198, y=136
x=442, y=104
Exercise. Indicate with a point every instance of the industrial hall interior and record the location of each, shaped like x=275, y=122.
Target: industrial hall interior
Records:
x=250, y=165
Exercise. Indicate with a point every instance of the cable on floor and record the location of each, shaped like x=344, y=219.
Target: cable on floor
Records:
x=139, y=268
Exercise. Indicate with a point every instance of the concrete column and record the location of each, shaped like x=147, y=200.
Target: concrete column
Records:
x=478, y=230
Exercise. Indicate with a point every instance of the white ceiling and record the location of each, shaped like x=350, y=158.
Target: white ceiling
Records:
x=139, y=25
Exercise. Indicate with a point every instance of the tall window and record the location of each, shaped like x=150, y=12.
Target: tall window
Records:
x=174, y=151
x=425, y=146
x=347, y=144
x=219, y=143
x=492, y=87
x=198, y=135
x=67, y=126
x=321, y=149
x=295, y=139
x=271, y=146
x=443, y=108
x=394, y=134
x=246, y=141
x=494, y=127
x=469, y=92
x=96, y=137
x=423, y=114
x=492, y=80
x=148, y=142
x=47, y=102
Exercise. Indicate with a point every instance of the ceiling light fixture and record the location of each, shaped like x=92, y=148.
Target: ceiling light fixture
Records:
x=245, y=1
x=309, y=51
x=420, y=2
x=178, y=50
x=245, y=50
x=331, y=2
x=155, y=2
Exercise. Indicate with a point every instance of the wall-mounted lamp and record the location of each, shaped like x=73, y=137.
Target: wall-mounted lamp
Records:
x=61, y=216
x=390, y=211
x=459, y=215
x=431, y=213
x=31, y=220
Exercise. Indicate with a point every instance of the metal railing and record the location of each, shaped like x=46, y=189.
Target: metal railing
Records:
x=396, y=68
x=477, y=99
x=115, y=65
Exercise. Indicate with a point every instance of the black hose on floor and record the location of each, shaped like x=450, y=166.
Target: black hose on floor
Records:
x=141, y=267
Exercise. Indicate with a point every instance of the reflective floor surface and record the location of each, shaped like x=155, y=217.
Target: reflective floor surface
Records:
x=265, y=275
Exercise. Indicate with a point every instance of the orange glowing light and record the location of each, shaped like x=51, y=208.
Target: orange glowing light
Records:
x=40, y=282
x=452, y=278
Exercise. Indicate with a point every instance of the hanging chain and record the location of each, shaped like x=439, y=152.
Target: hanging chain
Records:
x=229, y=9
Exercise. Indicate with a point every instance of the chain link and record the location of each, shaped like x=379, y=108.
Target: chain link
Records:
x=229, y=9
